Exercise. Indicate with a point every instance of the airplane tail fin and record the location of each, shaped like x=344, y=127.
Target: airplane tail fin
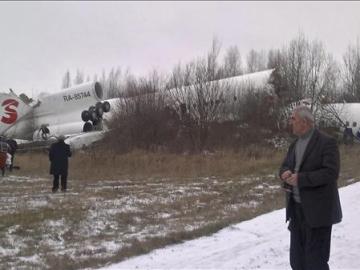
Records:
x=12, y=109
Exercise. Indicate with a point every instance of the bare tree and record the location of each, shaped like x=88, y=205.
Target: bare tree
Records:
x=141, y=86
x=196, y=95
x=351, y=73
x=232, y=63
x=144, y=119
x=131, y=86
x=66, y=81
x=274, y=58
x=79, y=77
x=212, y=65
x=322, y=78
x=256, y=61
x=305, y=71
x=113, y=82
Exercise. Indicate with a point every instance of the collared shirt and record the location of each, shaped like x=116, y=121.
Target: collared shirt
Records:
x=300, y=148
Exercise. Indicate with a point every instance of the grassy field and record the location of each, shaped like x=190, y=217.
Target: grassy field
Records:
x=124, y=205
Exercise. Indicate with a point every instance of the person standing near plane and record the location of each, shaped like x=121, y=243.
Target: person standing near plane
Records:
x=348, y=136
x=4, y=148
x=310, y=168
x=12, y=150
x=59, y=155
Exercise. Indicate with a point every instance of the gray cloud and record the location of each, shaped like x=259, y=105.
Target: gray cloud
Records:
x=41, y=40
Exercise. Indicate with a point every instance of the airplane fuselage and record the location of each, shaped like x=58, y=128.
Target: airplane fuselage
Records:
x=53, y=115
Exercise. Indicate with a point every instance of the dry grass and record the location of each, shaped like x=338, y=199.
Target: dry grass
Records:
x=139, y=201
x=104, y=165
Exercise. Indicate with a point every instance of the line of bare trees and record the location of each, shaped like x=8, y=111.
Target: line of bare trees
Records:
x=192, y=109
x=304, y=70
x=201, y=111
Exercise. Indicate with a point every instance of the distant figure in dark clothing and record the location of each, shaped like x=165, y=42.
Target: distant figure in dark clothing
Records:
x=4, y=148
x=358, y=134
x=58, y=155
x=12, y=150
x=348, y=135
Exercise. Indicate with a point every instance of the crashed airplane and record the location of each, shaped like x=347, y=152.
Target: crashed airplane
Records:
x=82, y=115
x=79, y=113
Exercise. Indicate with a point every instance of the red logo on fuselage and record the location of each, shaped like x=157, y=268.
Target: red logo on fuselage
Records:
x=10, y=106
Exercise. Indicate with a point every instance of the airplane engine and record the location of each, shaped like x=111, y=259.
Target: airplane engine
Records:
x=106, y=106
x=79, y=96
x=94, y=115
x=99, y=109
x=88, y=127
x=85, y=116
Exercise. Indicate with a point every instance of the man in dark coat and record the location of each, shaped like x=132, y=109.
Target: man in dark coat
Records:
x=310, y=171
x=58, y=155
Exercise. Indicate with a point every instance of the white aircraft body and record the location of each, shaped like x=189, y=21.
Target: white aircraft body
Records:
x=79, y=113
x=346, y=116
x=349, y=113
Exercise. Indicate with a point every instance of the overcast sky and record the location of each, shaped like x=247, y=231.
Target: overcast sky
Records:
x=40, y=41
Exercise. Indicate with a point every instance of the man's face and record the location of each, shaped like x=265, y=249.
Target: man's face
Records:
x=299, y=126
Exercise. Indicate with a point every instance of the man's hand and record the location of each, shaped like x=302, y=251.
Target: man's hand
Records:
x=285, y=175
x=292, y=179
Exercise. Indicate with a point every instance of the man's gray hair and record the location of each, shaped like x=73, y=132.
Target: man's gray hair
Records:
x=305, y=113
x=61, y=138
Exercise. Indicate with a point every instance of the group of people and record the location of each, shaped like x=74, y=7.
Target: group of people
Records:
x=7, y=153
x=58, y=156
x=349, y=136
x=309, y=173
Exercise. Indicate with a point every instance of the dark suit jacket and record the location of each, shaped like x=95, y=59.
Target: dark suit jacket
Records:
x=58, y=155
x=317, y=181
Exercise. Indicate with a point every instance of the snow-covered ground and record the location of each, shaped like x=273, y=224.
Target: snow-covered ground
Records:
x=260, y=243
